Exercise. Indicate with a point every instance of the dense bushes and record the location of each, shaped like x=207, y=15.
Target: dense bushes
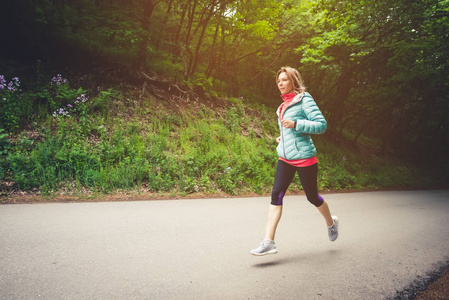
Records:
x=79, y=143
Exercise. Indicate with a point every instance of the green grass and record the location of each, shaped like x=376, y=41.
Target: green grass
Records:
x=119, y=141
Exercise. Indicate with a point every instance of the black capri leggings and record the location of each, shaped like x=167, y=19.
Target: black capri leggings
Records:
x=284, y=176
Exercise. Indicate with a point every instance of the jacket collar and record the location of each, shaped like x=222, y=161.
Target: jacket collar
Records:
x=295, y=100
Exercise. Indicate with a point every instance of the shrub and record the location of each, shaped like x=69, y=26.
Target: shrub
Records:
x=83, y=146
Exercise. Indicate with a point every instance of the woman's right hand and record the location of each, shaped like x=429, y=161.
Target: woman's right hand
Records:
x=278, y=140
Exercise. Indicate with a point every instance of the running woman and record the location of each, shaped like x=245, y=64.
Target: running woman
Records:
x=299, y=117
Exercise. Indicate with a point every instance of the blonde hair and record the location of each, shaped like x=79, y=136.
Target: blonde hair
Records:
x=295, y=78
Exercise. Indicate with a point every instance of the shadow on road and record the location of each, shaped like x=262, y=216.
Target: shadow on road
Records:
x=294, y=259
x=269, y=264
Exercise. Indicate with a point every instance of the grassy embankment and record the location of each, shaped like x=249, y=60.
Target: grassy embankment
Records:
x=58, y=141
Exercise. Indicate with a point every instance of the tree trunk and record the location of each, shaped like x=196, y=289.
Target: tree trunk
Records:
x=200, y=41
x=164, y=24
x=212, y=56
x=187, y=53
x=177, y=51
x=148, y=9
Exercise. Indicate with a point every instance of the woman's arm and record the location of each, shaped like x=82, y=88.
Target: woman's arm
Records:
x=315, y=122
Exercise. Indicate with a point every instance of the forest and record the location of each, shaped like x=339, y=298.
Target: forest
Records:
x=378, y=69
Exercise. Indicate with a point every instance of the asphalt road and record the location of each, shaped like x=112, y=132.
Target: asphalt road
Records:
x=199, y=249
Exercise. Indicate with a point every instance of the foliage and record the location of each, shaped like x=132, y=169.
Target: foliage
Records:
x=168, y=152
x=384, y=65
x=378, y=70
x=9, y=104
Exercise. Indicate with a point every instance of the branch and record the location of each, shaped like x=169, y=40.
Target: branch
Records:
x=268, y=66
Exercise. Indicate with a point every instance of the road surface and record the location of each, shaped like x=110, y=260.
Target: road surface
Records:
x=199, y=249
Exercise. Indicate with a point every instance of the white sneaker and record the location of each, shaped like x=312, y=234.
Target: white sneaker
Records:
x=265, y=247
x=333, y=230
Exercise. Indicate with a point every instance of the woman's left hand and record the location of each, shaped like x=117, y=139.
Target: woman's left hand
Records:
x=288, y=123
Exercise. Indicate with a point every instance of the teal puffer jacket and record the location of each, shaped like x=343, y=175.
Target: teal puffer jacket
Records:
x=296, y=143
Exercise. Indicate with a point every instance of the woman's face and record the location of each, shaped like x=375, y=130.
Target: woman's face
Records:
x=284, y=84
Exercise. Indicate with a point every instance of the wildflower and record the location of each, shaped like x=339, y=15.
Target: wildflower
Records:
x=58, y=80
x=69, y=105
x=11, y=87
x=344, y=158
x=2, y=82
x=82, y=98
x=61, y=112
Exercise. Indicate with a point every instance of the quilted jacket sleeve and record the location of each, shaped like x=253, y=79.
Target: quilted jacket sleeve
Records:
x=315, y=123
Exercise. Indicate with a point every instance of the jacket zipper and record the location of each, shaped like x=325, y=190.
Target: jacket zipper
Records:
x=282, y=129
x=282, y=136
x=283, y=142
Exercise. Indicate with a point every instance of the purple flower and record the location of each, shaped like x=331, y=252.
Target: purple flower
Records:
x=2, y=82
x=58, y=80
x=11, y=87
x=83, y=98
x=61, y=112
x=69, y=105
